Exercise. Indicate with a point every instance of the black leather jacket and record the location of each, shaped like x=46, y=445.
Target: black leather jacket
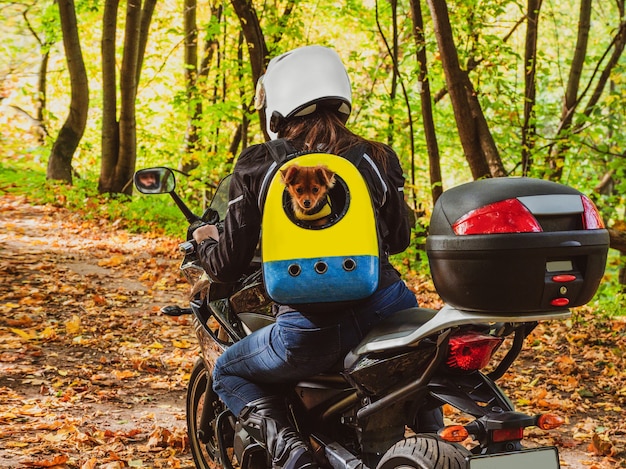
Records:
x=227, y=260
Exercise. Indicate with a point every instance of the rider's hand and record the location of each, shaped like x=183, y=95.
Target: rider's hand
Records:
x=206, y=231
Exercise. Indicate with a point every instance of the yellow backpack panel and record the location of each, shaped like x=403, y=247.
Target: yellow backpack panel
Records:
x=311, y=264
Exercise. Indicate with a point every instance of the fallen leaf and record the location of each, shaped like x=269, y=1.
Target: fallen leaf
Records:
x=56, y=461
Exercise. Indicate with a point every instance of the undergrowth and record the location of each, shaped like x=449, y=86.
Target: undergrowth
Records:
x=137, y=213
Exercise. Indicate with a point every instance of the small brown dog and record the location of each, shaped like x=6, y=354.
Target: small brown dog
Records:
x=308, y=187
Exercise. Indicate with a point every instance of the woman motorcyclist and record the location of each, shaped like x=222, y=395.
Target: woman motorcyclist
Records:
x=306, y=96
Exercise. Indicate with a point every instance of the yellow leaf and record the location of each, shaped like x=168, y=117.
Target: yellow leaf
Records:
x=49, y=333
x=181, y=343
x=55, y=438
x=155, y=345
x=123, y=374
x=23, y=334
x=72, y=326
x=112, y=261
x=16, y=444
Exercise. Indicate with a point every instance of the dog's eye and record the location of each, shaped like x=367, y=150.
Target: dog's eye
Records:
x=300, y=191
x=315, y=190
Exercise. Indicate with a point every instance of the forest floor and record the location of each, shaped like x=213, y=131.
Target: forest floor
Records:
x=92, y=375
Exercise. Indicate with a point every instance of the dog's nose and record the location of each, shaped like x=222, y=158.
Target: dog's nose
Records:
x=307, y=203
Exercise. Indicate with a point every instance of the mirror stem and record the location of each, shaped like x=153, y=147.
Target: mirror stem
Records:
x=189, y=215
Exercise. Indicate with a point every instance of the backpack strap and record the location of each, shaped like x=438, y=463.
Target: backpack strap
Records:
x=280, y=150
x=355, y=155
x=359, y=154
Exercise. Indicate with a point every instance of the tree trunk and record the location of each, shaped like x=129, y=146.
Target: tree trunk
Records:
x=467, y=113
x=41, y=93
x=617, y=44
x=241, y=134
x=120, y=138
x=110, y=127
x=60, y=162
x=571, y=98
x=530, y=84
x=393, y=89
x=428, y=123
x=257, y=48
x=194, y=104
x=129, y=73
x=617, y=240
x=42, y=78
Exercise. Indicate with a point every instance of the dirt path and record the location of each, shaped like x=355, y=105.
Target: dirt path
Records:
x=93, y=376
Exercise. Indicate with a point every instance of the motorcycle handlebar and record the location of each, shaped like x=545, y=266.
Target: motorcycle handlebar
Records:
x=188, y=247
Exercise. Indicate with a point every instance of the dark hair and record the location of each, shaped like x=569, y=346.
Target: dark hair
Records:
x=324, y=129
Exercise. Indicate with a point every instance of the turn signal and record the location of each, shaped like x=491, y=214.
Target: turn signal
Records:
x=454, y=433
x=549, y=421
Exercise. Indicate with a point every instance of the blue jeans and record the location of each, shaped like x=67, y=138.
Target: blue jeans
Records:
x=298, y=346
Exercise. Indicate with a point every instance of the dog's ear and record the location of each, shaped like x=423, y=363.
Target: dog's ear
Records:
x=289, y=174
x=325, y=175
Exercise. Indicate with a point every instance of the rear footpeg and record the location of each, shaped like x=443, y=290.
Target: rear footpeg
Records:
x=174, y=310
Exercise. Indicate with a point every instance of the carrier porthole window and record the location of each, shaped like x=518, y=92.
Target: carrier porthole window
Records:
x=339, y=199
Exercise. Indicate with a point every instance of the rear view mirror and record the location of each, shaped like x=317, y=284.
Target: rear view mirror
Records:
x=155, y=181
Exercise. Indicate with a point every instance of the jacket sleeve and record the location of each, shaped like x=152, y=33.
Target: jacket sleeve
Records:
x=394, y=211
x=229, y=258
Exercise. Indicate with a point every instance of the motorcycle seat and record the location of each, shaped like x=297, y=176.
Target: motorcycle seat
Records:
x=398, y=325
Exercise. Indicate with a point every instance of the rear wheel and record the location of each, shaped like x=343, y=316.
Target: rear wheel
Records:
x=203, y=442
x=424, y=452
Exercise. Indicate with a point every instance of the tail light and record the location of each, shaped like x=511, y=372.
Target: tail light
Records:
x=591, y=217
x=506, y=216
x=471, y=351
x=507, y=434
x=512, y=216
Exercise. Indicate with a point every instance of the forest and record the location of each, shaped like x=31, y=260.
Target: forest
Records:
x=93, y=375
x=92, y=91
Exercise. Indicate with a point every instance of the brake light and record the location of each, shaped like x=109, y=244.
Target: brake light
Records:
x=591, y=217
x=506, y=216
x=471, y=351
x=507, y=434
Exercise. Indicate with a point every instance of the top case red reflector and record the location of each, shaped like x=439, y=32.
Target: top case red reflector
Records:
x=559, y=302
x=563, y=278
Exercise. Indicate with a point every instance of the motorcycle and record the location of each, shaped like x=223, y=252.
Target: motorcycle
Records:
x=381, y=407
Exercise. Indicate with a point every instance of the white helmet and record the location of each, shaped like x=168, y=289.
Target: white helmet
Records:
x=297, y=81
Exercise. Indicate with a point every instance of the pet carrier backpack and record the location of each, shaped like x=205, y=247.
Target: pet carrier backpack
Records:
x=335, y=262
